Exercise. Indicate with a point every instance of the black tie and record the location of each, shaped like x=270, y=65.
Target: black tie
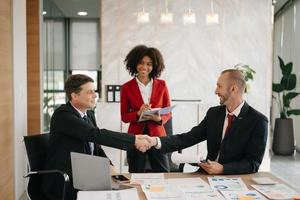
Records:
x=87, y=146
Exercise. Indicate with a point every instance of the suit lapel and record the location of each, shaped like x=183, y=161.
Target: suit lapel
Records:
x=219, y=127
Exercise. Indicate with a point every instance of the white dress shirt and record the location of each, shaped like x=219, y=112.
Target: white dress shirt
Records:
x=146, y=90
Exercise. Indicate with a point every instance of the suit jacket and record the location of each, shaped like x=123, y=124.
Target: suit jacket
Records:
x=131, y=101
x=241, y=150
x=69, y=133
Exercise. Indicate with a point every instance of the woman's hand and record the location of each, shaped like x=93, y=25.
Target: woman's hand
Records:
x=153, y=117
x=144, y=108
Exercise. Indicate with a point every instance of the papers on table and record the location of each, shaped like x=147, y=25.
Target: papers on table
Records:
x=161, y=111
x=183, y=188
x=236, y=195
x=224, y=183
x=156, y=187
x=185, y=158
x=147, y=178
x=109, y=195
x=162, y=191
x=277, y=191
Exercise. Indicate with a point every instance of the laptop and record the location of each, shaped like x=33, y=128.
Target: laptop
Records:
x=90, y=172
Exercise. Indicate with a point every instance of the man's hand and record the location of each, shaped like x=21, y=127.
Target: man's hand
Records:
x=212, y=167
x=153, y=141
x=142, y=142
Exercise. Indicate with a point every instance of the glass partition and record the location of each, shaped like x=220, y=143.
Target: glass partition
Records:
x=70, y=46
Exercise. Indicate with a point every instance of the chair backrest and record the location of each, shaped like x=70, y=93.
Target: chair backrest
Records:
x=36, y=149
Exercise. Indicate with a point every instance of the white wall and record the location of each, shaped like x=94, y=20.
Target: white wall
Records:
x=195, y=54
x=20, y=93
x=287, y=46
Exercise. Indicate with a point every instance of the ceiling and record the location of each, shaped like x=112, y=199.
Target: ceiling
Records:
x=69, y=8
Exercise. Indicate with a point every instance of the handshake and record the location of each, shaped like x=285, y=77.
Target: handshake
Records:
x=144, y=142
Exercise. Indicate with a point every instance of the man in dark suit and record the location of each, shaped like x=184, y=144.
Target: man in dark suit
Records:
x=73, y=129
x=236, y=133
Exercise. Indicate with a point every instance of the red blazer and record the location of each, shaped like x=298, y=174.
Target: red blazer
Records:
x=131, y=101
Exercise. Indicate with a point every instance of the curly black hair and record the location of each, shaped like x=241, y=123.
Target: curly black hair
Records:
x=135, y=56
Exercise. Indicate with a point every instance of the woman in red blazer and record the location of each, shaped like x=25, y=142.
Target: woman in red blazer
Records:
x=142, y=93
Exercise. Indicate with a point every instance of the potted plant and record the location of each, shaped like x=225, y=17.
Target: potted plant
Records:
x=283, y=138
x=248, y=73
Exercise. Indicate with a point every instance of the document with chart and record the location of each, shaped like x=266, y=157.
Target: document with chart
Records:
x=181, y=188
x=224, y=183
x=250, y=194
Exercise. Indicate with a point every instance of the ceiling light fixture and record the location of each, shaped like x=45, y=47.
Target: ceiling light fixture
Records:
x=189, y=17
x=212, y=17
x=142, y=16
x=82, y=13
x=166, y=17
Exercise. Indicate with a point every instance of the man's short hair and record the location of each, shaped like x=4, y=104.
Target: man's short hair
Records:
x=236, y=77
x=74, y=83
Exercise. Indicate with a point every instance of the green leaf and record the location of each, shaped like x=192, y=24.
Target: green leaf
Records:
x=276, y=87
x=286, y=101
x=288, y=68
x=288, y=82
x=249, y=75
x=292, y=95
x=281, y=64
x=293, y=112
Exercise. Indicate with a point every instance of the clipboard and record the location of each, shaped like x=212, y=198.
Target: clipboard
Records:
x=161, y=111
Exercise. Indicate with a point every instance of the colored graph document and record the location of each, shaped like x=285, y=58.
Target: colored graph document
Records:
x=237, y=195
x=183, y=188
x=224, y=183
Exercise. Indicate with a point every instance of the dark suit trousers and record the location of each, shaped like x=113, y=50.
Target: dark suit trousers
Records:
x=137, y=160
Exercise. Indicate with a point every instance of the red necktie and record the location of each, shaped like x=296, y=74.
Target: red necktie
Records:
x=230, y=120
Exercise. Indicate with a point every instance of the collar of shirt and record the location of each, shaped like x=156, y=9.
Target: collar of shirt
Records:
x=81, y=113
x=237, y=111
x=145, y=90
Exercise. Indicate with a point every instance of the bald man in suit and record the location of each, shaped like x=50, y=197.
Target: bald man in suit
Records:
x=236, y=133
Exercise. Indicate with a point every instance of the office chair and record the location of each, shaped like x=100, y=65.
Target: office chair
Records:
x=36, y=148
x=169, y=130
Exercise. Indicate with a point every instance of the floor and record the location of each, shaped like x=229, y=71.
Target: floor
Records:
x=287, y=168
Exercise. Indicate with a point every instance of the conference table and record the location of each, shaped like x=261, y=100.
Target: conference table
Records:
x=247, y=178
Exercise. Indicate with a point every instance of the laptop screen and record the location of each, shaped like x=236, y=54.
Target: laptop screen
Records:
x=90, y=172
